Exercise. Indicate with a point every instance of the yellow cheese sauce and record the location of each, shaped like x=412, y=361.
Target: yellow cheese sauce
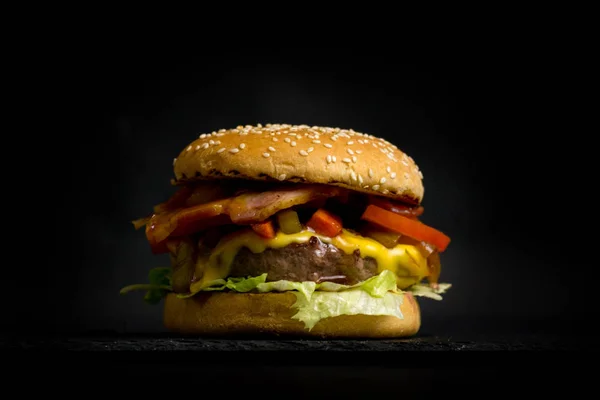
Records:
x=404, y=260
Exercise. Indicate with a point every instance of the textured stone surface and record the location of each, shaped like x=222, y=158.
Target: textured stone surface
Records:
x=430, y=365
x=113, y=342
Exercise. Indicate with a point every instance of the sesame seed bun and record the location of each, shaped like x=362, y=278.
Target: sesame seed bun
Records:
x=227, y=313
x=300, y=153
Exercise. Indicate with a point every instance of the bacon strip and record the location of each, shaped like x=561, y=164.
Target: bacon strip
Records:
x=255, y=207
x=247, y=208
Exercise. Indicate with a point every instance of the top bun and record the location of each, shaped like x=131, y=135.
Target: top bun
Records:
x=301, y=153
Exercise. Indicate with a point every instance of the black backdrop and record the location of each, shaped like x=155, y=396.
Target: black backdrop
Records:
x=474, y=118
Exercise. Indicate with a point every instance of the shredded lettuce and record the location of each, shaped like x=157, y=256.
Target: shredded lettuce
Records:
x=304, y=288
x=238, y=284
x=376, y=286
x=428, y=291
x=348, y=302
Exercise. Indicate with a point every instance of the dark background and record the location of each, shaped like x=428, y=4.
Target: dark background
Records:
x=477, y=118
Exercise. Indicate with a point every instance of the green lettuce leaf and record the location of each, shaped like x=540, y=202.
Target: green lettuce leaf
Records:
x=377, y=295
x=376, y=286
x=236, y=284
x=304, y=288
x=348, y=302
x=159, y=284
x=427, y=291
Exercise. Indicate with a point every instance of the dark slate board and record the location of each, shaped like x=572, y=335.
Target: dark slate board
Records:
x=113, y=342
x=419, y=366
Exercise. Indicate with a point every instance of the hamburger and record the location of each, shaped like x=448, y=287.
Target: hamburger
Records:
x=293, y=230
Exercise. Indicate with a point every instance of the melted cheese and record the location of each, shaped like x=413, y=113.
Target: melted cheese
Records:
x=404, y=260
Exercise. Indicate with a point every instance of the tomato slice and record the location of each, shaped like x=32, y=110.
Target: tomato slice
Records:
x=398, y=208
x=325, y=223
x=406, y=226
x=264, y=229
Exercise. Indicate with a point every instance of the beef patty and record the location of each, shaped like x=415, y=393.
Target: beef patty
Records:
x=312, y=261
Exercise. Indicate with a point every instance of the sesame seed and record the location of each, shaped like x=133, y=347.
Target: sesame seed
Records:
x=333, y=159
x=334, y=138
x=266, y=155
x=388, y=169
x=353, y=174
x=360, y=179
x=275, y=139
x=197, y=147
x=220, y=130
x=234, y=150
x=358, y=151
x=346, y=160
x=316, y=141
x=366, y=141
x=375, y=187
x=174, y=161
x=222, y=149
x=393, y=175
x=328, y=158
x=405, y=163
x=350, y=151
x=287, y=139
x=328, y=145
x=217, y=142
x=370, y=173
x=303, y=153
x=354, y=159
x=205, y=146
x=382, y=180
x=211, y=142
x=293, y=144
x=242, y=145
x=350, y=143
x=220, y=134
x=366, y=187
x=271, y=148
x=385, y=191
x=361, y=141
x=292, y=134
x=311, y=149
x=203, y=136
x=282, y=177
x=420, y=174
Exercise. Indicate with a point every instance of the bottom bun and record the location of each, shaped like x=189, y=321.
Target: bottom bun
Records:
x=227, y=314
